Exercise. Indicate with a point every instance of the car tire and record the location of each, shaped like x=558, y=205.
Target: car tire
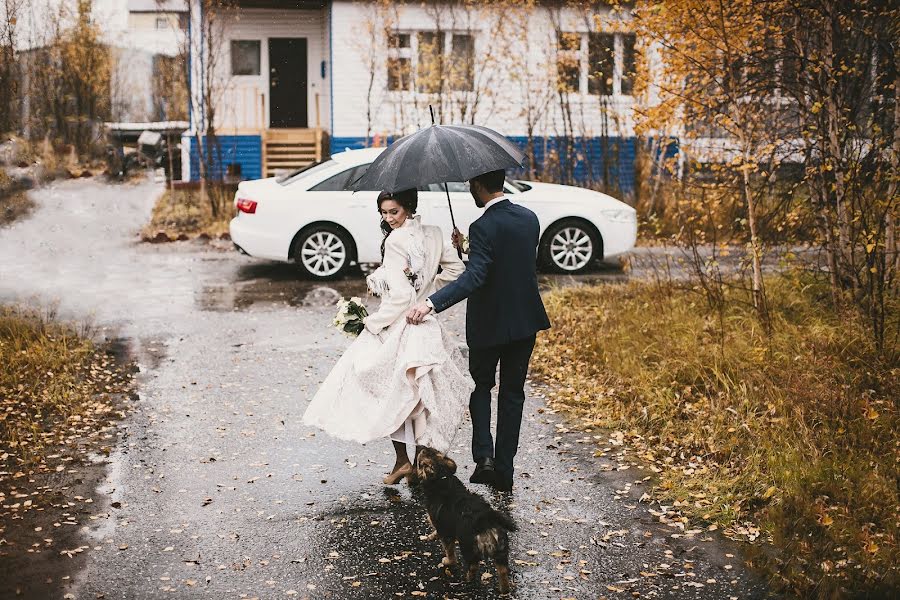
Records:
x=323, y=251
x=570, y=246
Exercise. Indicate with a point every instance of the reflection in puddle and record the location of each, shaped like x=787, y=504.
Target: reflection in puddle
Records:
x=281, y=284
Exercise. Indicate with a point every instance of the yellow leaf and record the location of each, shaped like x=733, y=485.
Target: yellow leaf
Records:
x=872, y=547
x=770, y=492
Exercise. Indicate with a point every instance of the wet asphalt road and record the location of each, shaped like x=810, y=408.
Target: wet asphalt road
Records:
x=218, y=490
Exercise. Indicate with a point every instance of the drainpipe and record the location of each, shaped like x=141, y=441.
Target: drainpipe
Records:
x=331, y=69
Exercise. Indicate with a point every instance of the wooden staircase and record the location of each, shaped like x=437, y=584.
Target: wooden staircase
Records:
x=290, y=149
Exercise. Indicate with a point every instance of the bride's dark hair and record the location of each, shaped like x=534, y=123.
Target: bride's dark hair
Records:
x=408, y=199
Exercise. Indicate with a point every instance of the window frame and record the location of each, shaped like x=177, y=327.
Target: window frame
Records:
x=585, y=67
x=231, y=56
x=411, y=53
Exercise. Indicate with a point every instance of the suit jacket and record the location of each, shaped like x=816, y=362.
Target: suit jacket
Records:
x=500, y=280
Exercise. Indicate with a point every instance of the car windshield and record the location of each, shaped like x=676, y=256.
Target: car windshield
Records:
x=311, y=169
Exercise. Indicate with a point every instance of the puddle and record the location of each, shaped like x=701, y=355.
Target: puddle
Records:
x=276, y=285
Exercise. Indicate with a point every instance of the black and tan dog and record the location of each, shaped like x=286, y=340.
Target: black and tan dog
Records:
x=459, y=515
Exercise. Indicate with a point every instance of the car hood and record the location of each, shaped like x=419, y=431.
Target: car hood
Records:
x=553, y=192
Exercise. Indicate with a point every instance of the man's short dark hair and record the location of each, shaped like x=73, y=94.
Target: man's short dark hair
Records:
x=492, y=181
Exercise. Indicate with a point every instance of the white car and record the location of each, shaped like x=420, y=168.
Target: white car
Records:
x=310, y=216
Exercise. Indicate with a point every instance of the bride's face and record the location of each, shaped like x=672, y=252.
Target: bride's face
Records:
x=394, y=214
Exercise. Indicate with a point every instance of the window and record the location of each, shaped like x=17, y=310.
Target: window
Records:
x=429, y=61
x=429, y=68
x=399, y=62
x=569, y=62
x=602, y=60
x=340, y=182
x=607, y=59
x=462, y=63
x=454, y=187
x=245, y=57
x=304, y=172
x=628, y=63
x=162, y=23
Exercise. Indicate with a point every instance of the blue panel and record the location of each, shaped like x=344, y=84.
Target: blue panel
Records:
x=602, y=163
x=243, y=150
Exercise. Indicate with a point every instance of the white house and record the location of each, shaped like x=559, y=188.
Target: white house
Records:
x=292, y=80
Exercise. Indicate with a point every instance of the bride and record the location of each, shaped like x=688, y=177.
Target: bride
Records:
x=406, y=382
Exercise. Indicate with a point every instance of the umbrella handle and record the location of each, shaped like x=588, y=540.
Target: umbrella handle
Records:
x=452, y=219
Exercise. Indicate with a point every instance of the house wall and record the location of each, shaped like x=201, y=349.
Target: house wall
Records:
x=520, y=75
x=143, y=33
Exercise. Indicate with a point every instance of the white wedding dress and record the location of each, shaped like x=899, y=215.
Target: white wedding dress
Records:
x=406, y=382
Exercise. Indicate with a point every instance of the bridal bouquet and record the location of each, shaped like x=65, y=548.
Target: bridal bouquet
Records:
x=350, y=315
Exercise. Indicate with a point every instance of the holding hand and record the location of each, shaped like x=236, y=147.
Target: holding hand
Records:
x=459, y=241
x=417, y=313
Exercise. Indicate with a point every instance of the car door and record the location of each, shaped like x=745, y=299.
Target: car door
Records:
x=354, y=211
x=464, y=209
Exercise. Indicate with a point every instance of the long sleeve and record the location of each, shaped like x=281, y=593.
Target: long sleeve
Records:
x=480, y=261
x=400, y=295
x=451, y=266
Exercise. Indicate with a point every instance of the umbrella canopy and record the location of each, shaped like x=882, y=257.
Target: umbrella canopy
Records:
x=440, y=153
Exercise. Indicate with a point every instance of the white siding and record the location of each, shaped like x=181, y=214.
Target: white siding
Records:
x=526, y=67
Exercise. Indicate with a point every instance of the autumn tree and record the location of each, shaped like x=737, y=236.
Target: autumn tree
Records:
x=715, y=89
x=69, y=80
x=841, y=71
x=9, y=72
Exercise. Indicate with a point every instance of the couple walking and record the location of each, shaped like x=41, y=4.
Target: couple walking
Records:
x=404, y=377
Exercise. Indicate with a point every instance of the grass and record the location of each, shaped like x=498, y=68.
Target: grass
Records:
x=794, y=432
x=187, y=214
x=56, y=386
x=14, y=206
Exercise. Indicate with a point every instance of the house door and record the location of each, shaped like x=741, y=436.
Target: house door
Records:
x=287, y=82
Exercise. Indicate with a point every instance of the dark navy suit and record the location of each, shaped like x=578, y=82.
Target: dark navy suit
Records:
x=503, y=315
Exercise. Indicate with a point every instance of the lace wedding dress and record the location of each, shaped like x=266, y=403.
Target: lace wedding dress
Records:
x=407, y=382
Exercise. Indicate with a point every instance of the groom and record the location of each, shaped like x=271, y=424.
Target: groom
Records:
x=503, y=316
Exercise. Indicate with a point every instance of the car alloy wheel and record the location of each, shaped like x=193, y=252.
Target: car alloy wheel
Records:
x=323, y=253
x=571, y=249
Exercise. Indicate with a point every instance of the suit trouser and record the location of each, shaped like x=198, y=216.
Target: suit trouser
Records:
x=513, y=358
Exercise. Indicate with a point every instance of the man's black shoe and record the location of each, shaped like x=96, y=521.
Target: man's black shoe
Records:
x=484, y=471
x=502, y=484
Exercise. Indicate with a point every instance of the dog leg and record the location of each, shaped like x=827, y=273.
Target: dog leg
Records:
x=503, y=576
x=431, y=536
x=449, y=559
x=473, y=561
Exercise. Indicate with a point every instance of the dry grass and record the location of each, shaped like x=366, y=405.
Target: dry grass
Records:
x=188, y=215
x=55, y=386
x=14, y=206
x=796, y=432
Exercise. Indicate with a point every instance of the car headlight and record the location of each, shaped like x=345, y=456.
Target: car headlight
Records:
x=620, y=215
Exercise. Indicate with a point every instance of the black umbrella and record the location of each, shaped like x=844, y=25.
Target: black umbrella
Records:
x=439, y=154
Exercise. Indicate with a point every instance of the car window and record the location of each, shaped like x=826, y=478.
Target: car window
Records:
x=452, y=187
x=342, y=181
x=518, y=186
x=302, y=173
